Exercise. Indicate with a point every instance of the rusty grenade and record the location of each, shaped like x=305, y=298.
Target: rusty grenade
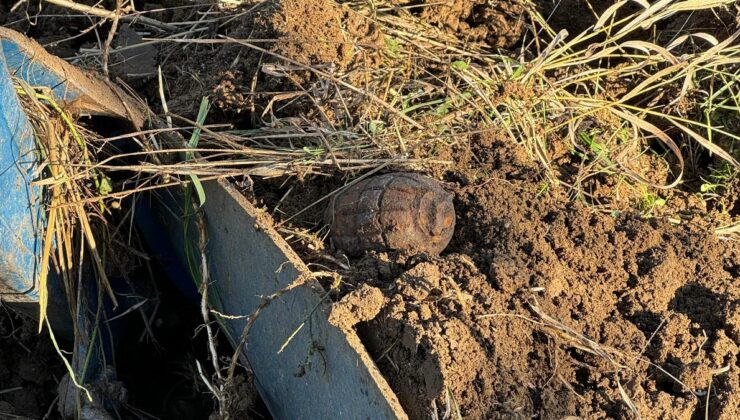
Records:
x=392, y=212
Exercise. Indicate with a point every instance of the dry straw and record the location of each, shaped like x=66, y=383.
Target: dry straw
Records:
x=611, y=95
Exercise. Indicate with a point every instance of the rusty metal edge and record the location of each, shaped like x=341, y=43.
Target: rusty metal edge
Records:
x=76, y=88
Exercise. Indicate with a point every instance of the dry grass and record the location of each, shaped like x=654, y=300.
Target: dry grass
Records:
x=560, y=87
x=618, y=99
x=69, y=230
x=64, y=151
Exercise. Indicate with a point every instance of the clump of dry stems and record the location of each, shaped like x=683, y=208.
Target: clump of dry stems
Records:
x=64, y=150
x=609, y=95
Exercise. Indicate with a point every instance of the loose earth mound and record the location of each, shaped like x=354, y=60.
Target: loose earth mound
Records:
x=545, y=307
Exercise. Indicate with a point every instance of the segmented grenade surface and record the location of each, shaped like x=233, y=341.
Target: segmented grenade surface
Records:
x=396, y=211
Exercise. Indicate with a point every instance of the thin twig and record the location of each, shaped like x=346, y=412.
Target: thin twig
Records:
x=266, y=301
x=109, y=40
x=107, y=14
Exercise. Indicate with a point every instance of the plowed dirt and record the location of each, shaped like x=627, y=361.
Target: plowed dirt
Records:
x=542, y=307
x=246, y=82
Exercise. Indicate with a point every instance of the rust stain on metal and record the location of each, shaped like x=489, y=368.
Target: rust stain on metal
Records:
x=396, y=211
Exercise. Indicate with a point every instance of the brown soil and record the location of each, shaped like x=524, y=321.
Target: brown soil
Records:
x=362, y=304
x=541, y=306
x=29, y=368
x=295, y=33
x=659, y=301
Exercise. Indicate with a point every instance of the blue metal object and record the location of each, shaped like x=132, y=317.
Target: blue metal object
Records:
x=21, y=215
x=35, y=73
x=21, y=212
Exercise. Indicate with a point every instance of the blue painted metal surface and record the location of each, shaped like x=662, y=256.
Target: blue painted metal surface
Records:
x=20, y=213
x=35, y=73
x=22, y=216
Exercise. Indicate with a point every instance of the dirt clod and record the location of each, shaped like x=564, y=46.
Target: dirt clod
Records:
x=500, y=23
x=362, y=304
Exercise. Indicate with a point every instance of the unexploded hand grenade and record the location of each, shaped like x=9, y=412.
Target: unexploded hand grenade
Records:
x=396, y=211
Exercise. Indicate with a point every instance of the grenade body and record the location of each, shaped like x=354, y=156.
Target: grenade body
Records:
x=392, y=212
